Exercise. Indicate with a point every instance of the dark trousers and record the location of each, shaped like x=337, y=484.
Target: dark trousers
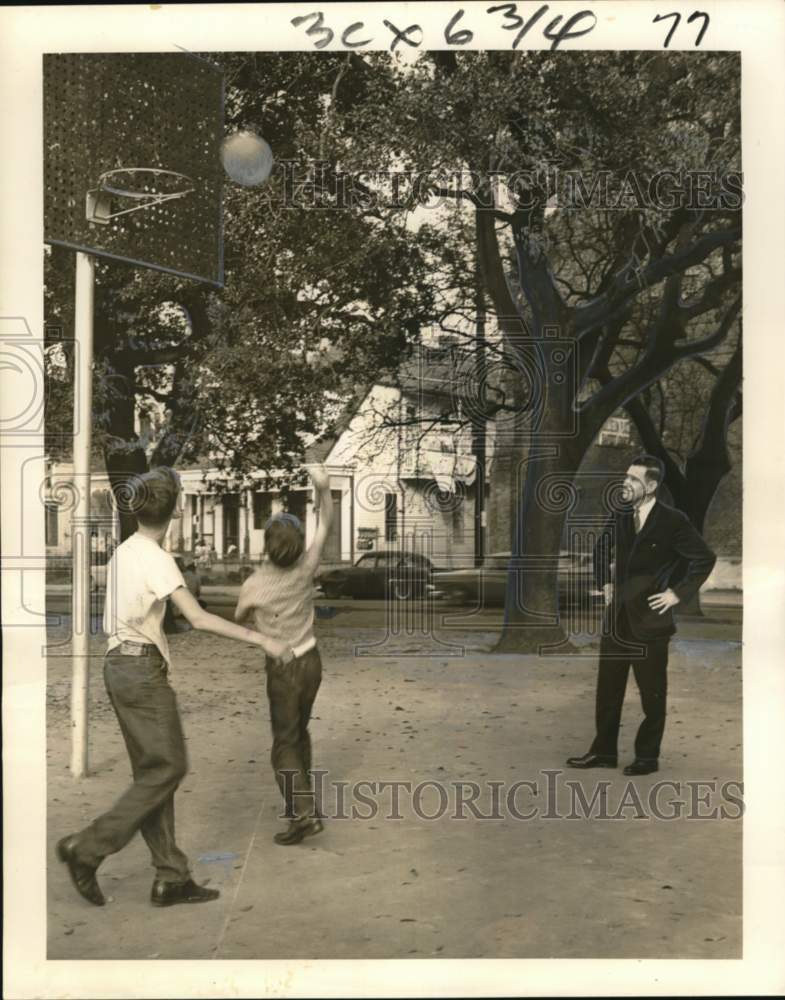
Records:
x=650, y=669
x=146, y=709
x=291, y=689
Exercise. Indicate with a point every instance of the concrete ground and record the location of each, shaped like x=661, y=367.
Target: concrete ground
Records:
x=410, y=709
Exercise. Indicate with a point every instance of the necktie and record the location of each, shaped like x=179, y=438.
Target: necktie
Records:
x=637, y=520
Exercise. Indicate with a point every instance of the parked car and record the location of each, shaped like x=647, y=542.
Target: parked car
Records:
x=486, y=585
x=380, y=575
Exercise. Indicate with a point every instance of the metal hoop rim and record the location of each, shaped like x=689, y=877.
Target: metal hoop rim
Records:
x=125, y=193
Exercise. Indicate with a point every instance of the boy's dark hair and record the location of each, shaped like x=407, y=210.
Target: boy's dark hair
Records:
x=655, y=467
x=155, y=496
x=284, y=539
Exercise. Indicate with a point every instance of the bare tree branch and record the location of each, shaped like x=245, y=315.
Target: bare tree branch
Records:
x=692, y=347
x=712, y=294
x=629, y=282
x=656, y=360
x=492, y=270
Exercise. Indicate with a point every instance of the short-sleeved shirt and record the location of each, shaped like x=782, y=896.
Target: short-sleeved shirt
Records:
x=139, y=578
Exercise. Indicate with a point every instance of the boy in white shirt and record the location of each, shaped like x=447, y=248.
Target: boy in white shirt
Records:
x=140, y=578
x=280, y=597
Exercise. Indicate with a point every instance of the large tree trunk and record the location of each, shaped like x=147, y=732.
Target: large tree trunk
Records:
x=552, y=450
x=531, y=614
x=123, y=456
x=547, y=468
x=181, y=425
x=705, y=469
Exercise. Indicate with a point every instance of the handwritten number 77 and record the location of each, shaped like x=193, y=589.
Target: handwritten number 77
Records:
x=677, y=20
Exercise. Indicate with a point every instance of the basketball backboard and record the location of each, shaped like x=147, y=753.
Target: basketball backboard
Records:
x=120, y=111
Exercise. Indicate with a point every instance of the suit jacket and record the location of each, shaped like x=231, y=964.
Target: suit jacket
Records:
x=668, y=552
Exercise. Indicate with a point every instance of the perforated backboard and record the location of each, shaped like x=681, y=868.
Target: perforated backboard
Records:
x=103, y=111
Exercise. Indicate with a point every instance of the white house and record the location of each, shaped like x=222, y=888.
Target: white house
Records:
x=401, y=470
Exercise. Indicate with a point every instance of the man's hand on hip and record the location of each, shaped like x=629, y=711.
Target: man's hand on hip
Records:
x=661, y=602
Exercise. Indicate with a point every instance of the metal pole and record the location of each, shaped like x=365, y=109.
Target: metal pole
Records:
x=248, y=512
x=80, y=533
x=478, y=424
x=351, y=522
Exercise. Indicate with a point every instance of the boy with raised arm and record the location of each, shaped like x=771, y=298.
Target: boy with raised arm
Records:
x=140, y=578
x=280, y=596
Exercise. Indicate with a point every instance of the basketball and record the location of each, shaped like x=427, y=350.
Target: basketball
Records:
x=247, y=158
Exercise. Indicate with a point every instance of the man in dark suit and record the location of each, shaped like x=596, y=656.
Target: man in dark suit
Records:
x=648, y=560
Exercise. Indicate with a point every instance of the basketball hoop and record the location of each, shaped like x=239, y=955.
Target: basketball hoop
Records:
x=150, y=186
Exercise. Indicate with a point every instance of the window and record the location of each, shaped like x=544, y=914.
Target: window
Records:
x=616, y=432
x=297, y=502
x=332, y=545
x=231, y=517
x=390, y=517
x=50, y=523
x=262, y=509
x=412, y=430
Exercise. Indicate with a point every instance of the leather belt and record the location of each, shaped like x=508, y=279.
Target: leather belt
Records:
x=130, y=648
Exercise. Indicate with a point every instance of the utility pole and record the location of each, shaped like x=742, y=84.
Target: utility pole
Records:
x=479, y=420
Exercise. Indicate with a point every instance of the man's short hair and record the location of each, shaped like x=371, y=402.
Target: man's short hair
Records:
x=155, y=496
x=654, y=467
x=284, y=539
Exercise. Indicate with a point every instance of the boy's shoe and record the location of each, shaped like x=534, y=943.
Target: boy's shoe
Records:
x=299, y=829
x=82, y=875
x=169, y=893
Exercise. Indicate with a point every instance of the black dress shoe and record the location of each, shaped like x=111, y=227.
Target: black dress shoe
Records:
x=592, y=760
x=299, y=829
x=642, y=767
x=169, y=893
x=82, y=875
